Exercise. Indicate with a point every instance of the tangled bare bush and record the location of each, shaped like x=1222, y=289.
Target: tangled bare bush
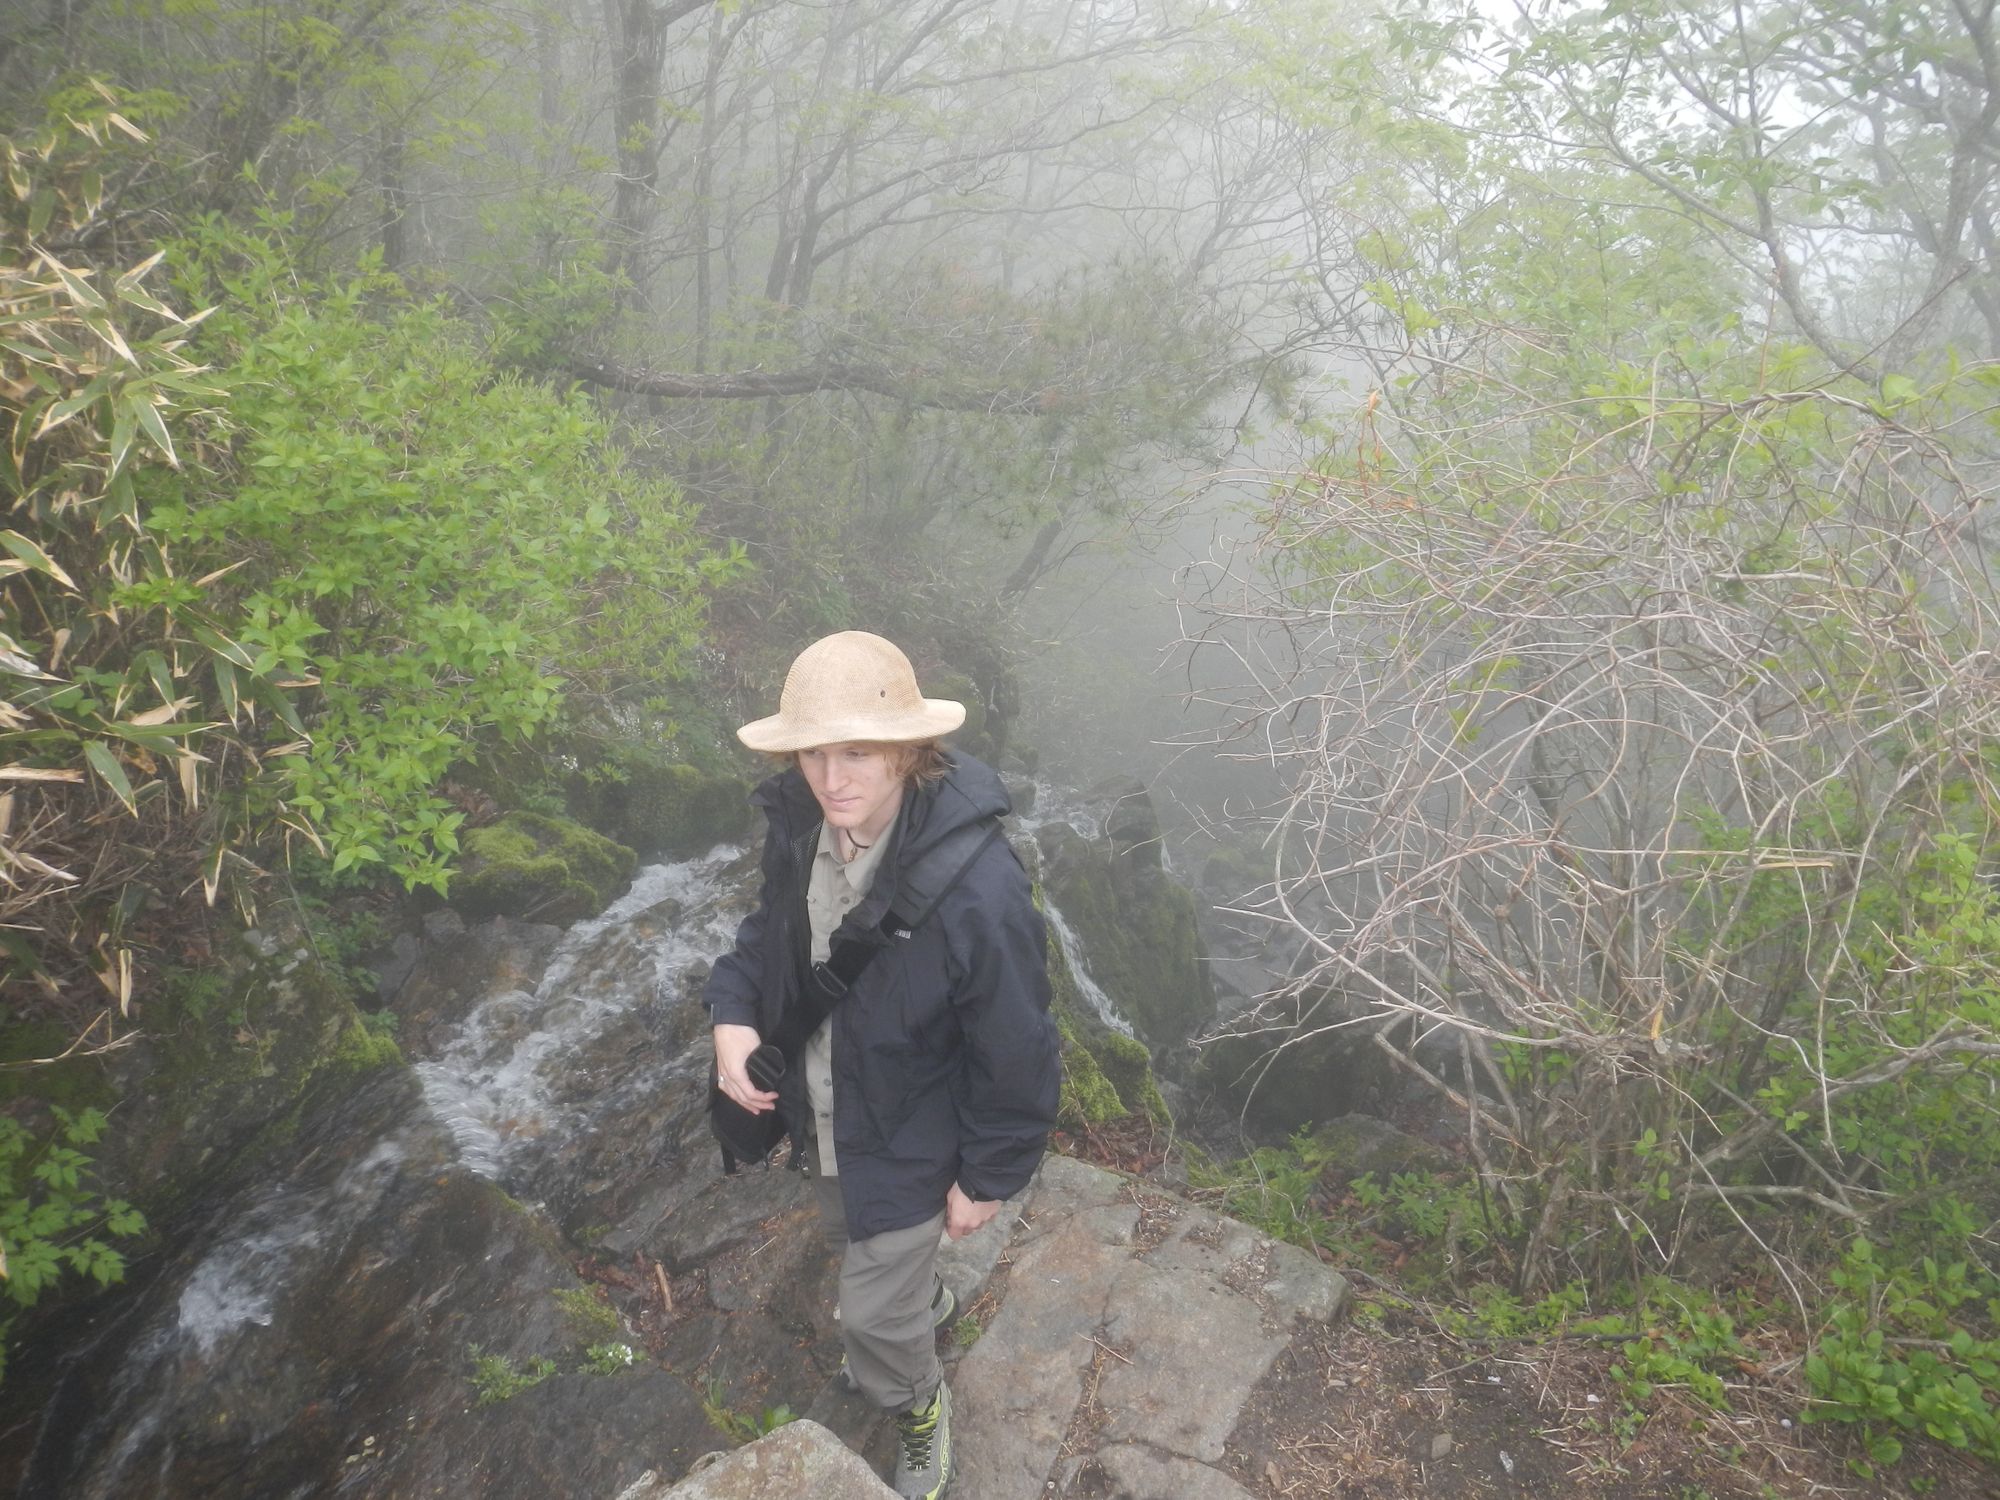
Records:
x=1643, y=798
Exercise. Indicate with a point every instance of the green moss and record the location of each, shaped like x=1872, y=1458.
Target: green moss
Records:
x=1128, y=1067
x=538, y=868
x=1087, y=1096
x=362, y=1049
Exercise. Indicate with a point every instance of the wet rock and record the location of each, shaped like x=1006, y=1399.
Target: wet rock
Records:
x=800, y=1461
x=327, y=1323
x=462, y=965
x=1131, y=826
x=1277, y=1080
x=226, y=1062
x=393, y=966
x=1136, y=927
x=537, y=868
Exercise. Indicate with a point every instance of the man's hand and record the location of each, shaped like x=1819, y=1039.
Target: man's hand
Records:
x=962, y=1215
x=733, y=1044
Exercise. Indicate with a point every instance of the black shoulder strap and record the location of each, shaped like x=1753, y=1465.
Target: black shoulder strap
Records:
x=921, y=891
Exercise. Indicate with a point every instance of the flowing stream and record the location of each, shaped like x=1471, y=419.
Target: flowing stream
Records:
x=553, y=1093
x=506, y=1085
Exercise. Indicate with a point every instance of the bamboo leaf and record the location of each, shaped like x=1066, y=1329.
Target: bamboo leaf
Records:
x=149, y=418
x=165, y=713
x=106, y=765
x=39, y=773
x=81, y=292
x=31, y=553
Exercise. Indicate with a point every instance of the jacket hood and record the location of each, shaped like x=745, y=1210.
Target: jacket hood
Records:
x=970, y=790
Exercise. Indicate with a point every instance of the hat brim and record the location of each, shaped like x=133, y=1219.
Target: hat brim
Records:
x=779, y=733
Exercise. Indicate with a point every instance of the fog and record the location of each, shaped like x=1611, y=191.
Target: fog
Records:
x=1523, y=471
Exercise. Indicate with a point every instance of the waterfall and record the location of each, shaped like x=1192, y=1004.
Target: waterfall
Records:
x=1072, y=952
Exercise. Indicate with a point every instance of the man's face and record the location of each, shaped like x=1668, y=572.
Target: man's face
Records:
x=858, y=786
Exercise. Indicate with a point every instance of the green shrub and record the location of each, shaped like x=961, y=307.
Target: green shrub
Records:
x=119, y=745
x=1896, y=1355
x=438, y=551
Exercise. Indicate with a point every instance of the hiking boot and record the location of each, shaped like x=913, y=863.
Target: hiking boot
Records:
x=923, y=1448
x=944, y=1312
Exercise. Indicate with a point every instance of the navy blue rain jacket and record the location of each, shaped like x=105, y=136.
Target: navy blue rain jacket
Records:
x=944, y=1056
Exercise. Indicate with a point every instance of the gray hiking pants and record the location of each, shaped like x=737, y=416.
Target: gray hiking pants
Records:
x=886, y=1286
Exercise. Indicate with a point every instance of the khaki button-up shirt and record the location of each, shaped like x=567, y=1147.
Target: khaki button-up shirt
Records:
x=832, y=890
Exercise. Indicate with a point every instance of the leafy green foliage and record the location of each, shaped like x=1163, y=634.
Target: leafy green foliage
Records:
x=438, y=553
x=608, y=1358
x=111, y=646
x=52, y=1221
x=1898, y=1354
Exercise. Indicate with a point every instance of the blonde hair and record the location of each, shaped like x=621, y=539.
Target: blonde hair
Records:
x=918, y=762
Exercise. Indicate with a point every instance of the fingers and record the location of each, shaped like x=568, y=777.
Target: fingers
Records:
x=733, y=1046
x=751, y=1099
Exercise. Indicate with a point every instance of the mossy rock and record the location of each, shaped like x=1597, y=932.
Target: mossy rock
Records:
x=1087, y=1097
x=228, y=1060
x=1105, y=1074
x=1279, y=1091
x=37, y=1068
x=1137, y=928
x=659, y=806
x=1128, y=1067
x=536, y=868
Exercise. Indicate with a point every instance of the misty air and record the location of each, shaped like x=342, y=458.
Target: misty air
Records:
x=999, y=749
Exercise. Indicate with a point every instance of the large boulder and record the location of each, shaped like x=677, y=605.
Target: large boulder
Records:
x=1278, y=1080
x=658, y=806
x=537, y=868
x=800, y=1461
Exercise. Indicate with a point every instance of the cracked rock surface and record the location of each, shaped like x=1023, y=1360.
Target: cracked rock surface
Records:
x=1130, y=1331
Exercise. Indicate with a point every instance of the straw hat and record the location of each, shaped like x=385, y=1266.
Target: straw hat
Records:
x=851, y=686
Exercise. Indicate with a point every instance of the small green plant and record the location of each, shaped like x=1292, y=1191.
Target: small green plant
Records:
x=591, y=1319
x=497, y=1378
x=966, y=1332
x=608, y=1359
x=51, y=1219
x=1896, y=1356
x=740, y=1427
